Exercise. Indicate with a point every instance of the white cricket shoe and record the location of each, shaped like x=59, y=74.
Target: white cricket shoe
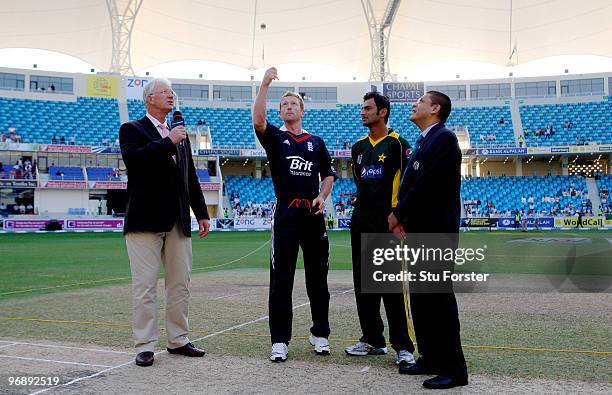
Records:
x=321, y=345
x=279, y=352
x=404, y=358
x=360, y=349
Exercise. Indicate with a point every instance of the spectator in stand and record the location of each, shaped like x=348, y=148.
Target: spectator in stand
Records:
x=53, y=140
x=72, y=140
x=62, y=140
x=502, y=120
x=568, y=124
x=52, y=88
x=28, y=169
x=520, y=140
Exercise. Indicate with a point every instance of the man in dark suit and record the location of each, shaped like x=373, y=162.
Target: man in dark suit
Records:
x=162, y=185
x=429, y=202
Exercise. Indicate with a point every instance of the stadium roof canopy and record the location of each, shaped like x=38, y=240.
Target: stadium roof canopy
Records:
x=332, y=32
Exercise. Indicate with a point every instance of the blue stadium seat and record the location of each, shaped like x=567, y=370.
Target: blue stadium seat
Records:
x=591, y=123
x=66, y=173
x=231, y=127
x=89, y=119
x=101, y=174
x=507, y=193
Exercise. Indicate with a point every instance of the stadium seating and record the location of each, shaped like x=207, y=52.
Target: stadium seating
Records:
x=591, y=122
x=507, y=193
x=92, y=121
x=256, y=190
x=101, y=174
x=478, y=121
x=89, y=119
x=604, y=184
x=231, y=127
x=261, y=190
x=203, y=175
x=66, y=173
x=343, y=190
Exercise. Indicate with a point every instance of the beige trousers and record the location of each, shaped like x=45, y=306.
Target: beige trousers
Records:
x=147, y=252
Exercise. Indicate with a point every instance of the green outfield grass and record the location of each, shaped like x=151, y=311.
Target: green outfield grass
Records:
x=55, y=262
x=73, y=288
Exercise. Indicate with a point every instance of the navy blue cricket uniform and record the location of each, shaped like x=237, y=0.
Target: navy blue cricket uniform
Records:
x=297, y=164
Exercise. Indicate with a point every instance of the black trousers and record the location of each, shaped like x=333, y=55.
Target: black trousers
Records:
x=368, y=304
x=436, y=325
x=295, y=227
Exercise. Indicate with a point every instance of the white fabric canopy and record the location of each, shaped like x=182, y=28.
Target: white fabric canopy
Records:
x=332, y=32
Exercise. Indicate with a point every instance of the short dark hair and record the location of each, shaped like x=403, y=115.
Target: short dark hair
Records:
x=381, y=102
x=443, y=101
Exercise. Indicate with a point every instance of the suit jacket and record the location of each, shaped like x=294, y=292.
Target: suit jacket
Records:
x=429, y=196
x=160, y=190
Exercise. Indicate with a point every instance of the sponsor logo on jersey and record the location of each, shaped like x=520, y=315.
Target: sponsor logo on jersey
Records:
x=299, y=166
x=374, y=172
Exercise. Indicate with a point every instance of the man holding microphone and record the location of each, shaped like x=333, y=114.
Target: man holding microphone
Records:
x=162, y=185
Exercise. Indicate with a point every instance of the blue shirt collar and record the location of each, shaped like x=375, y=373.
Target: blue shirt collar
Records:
x=424, y=132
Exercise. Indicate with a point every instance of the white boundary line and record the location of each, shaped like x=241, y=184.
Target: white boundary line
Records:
x=54, y=361
x=238, y=293
x=62, y=286
x=69, y=347
x=234, y=260
x=164, y=351
x=7, y=345
x=126, y=278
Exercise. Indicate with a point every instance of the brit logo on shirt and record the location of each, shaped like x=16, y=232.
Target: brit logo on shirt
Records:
x=310, y=148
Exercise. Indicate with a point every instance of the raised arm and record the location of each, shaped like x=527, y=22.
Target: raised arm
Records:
x=259, y=108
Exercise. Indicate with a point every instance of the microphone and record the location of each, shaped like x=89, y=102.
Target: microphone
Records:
x=177, y=120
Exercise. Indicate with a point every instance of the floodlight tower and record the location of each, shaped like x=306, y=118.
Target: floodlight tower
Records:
x=380, y=31
x=121, y=26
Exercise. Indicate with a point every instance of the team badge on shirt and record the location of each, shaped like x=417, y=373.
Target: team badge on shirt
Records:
x=416, y=165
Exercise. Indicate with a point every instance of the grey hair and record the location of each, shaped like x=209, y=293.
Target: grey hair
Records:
x=150, y=86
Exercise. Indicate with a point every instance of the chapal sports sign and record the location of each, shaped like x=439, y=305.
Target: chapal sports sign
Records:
x=403, y=91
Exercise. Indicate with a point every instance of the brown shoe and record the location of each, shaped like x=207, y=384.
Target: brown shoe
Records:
x=188, y=350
